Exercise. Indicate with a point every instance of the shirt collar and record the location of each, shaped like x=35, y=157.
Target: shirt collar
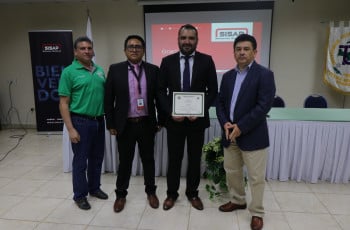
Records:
x=80, y=66
x=139, y=64
x=246, y=69
x=183, y=55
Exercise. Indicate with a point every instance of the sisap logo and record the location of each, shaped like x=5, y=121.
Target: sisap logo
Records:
x=227, y=32
x=51, y=47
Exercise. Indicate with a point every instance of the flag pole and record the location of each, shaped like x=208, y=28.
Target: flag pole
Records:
x=88, y=12
x=88, y=29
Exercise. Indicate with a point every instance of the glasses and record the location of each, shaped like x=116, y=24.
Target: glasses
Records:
x=134, y=47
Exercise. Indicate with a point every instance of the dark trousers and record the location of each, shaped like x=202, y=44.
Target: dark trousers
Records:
x=176, y=136
x=143, y=133
x=88, y=156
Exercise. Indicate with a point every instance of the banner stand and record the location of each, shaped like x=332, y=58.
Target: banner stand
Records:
x=51, y=51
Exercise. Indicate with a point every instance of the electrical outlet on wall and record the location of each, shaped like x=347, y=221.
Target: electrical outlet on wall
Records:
x=12, y=82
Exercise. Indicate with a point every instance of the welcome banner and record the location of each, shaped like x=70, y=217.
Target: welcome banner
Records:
x=51, y=51
x=337, y=72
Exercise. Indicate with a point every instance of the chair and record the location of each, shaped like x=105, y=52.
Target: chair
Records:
x=278, y=102
x=315, y=101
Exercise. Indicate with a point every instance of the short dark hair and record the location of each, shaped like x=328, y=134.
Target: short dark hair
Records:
x=82, y=39
x=188, y=27
x=243, y=38
x=134, y=37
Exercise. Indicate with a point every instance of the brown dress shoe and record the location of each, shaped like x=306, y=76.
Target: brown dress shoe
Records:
x=229, y=207
x=168, y=203
x=153, y=200
x=196, y=203
x=257, y=223
x=119, y=204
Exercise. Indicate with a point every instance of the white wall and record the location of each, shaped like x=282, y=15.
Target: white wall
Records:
x=298, y=52
x=298, y=45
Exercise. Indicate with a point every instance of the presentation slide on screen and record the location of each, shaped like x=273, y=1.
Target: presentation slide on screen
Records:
x=217, y=30
x=215, y=39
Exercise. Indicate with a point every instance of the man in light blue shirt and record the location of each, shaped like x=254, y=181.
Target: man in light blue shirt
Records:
x=246, y=96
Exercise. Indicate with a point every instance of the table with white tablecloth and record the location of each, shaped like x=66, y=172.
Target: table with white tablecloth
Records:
x=305, y=145
x=309, y=151
x=110, y=163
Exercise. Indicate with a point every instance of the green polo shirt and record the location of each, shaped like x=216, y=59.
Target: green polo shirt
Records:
x=84, y=88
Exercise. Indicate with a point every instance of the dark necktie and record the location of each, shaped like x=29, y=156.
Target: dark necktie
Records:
x=137, y=69
x=186, y=81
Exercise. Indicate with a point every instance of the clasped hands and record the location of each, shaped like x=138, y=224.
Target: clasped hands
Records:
x=232, y=131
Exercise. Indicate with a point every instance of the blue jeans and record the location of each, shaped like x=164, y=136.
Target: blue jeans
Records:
x=88, y=155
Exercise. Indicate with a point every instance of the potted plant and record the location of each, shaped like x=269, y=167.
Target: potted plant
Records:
x=214, y=172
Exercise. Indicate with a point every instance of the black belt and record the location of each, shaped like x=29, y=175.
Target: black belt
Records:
x=137, y=119
x=98, y=118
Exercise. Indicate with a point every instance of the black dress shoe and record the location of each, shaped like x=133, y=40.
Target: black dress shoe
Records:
x=99, y=194
x=82, y=203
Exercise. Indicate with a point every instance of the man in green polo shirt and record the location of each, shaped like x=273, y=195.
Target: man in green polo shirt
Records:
x=81, y=91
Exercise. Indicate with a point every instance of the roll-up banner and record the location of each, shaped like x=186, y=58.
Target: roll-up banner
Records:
x=51, y=51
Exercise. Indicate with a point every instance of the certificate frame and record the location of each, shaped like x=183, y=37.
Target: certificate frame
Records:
x=188, y=104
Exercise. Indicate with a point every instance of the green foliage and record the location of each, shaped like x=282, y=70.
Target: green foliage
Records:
x=215, y=172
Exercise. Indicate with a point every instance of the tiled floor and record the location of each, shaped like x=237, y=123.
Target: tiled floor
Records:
x=36, y=194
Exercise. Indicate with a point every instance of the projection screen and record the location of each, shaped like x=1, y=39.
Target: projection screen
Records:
x=218, y=25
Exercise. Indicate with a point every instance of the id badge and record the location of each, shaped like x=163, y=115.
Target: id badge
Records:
x=140, y=104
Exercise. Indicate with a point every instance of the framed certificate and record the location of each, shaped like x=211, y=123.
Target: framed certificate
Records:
x=188, y=104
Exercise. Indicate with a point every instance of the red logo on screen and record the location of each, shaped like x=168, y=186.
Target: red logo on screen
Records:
x=229, y=34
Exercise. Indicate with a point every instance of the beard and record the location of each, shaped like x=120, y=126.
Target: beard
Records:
x=187, y=49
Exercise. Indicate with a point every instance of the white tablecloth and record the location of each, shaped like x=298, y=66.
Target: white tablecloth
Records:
x=309, y=151
x=299, y=150
x=161, y=152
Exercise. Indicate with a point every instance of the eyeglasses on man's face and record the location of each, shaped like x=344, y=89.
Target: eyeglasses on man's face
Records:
x=134, y=47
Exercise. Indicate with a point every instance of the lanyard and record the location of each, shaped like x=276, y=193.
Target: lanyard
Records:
x=137, y=76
